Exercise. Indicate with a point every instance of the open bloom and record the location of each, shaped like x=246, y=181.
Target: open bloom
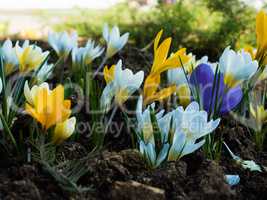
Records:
x=9, y=56
x=86, y=55
x=121, y=84
x=47, y=106
x=115, y=42
x=63, y=42
x=221, y=98
x=190, y=125
x=161, y=64
x=30, y=57
x=236, y=66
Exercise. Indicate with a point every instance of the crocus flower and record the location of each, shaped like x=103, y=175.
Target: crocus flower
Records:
x=259, y=114
x=179, y=77
x=47, y=106
x=63, y=130
x=236, y=67
x=190, y=125
x=44, y=73
x=261, y=31
x=114, y=41
x=63, y=42
x=30, y=57
x=86, y=55
x=202, y=78
x=120, y=86
x=9, y=56
x=144, y=122
x=161, y=64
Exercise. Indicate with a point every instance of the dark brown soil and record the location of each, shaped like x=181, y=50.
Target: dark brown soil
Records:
x=120, y=173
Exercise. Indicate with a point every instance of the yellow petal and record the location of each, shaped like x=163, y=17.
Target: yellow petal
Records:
x=109, y=73
x=261, y=29
x=161, y=95
x=151, y=85
x=183, y=93
x=63, y=130
x=157, y=39
x=161, y=54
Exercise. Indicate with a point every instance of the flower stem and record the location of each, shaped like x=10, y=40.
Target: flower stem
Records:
x=100, y=67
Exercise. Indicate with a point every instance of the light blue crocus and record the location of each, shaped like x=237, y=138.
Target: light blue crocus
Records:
x=190, y=125
x=9, y=57
x=114, y=41
x=236, y=66
x=44, y=72
x=86, y=55
x=63, y=42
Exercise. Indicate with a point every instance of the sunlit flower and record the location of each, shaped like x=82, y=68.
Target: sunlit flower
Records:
x=202, y=78
x=86, y=55
x=63, y=130
x=30, y=57
x=9, y=56
x=261, y=31
x=114, y=41
x=121, y=86
x=236, y=67
x=190, y=125
x=47, y=106
x=162, y=63
x=63, y=42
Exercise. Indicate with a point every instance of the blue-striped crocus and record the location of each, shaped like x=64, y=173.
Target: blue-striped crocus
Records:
x=214, y=96
x=63, y=42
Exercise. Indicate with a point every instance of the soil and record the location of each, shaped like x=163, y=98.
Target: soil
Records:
x=119, y=172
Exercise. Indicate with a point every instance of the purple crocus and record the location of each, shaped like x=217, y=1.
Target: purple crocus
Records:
x=202, y=78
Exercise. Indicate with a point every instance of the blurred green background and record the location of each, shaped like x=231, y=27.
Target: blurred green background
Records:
x=202, y=26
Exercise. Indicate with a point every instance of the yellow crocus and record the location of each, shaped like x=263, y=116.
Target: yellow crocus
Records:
x=184, y=94
x=49, y=107
x=109, y=73
x=30, y=57
x=161, y=64
x=260, y=114
x=261, y=32
x=63, y=130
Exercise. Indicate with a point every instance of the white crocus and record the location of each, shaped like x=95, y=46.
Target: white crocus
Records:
x=9, y=57
x=114, y=41
x=144, y=123
x=86, y=55
x=44, y=73
x=63, y=42
x=122, y=85
x=30, y=94
x=64, y=130
x=30, y=56
x=236, y=66
x=92, y=51
x=189, y=126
